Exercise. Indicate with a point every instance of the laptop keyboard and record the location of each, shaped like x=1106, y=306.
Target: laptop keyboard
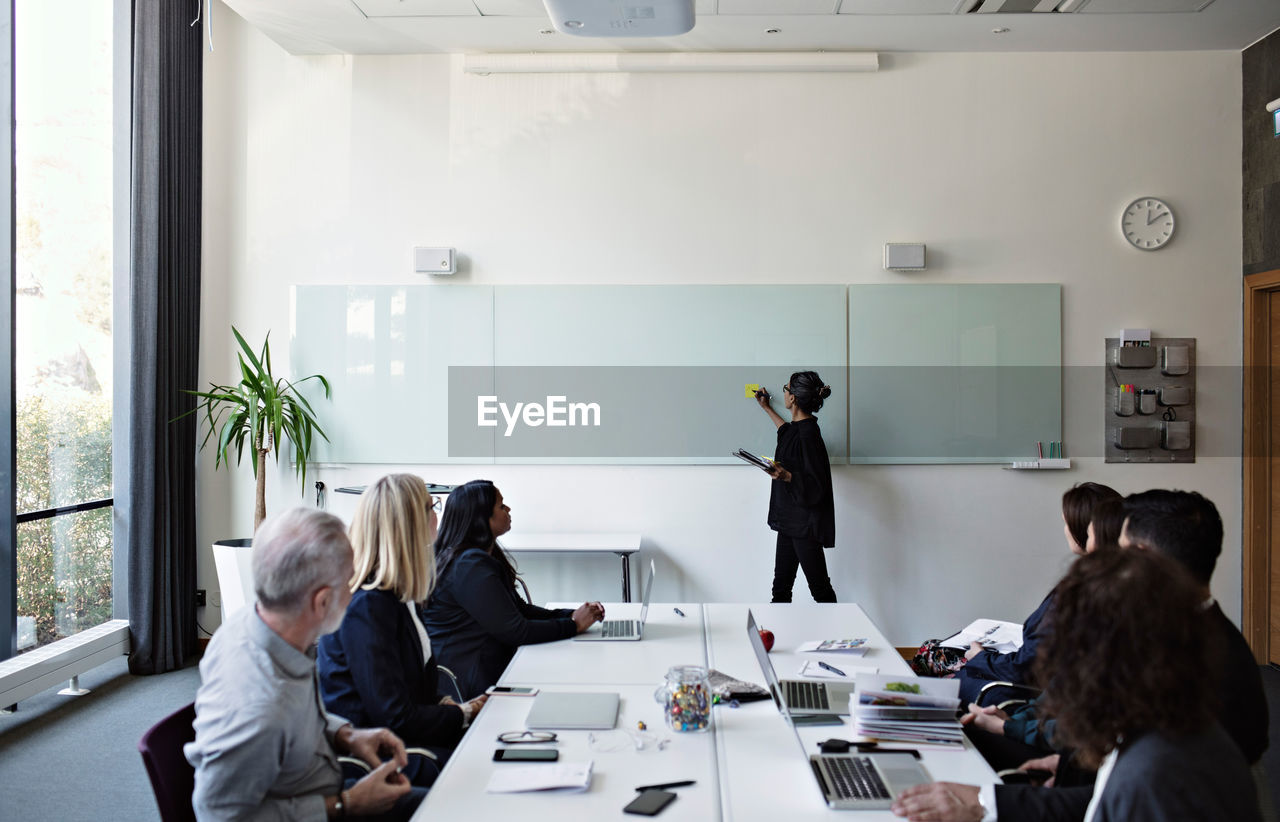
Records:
x=806, y=696
x=854, y=777
x=614, y=628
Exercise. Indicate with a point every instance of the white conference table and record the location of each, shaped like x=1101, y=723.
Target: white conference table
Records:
x=459, y=793
x=757, y=749
x=748, y=768
x=669, y=639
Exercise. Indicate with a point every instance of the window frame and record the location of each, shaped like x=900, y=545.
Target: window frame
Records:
x=121, y=257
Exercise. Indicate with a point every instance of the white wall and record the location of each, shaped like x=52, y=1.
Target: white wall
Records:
x=1012, y=167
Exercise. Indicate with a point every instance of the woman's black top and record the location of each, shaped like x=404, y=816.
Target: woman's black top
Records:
x=476, y=621
x=804, y=507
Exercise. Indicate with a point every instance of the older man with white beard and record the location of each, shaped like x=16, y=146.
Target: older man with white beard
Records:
x=265, y=748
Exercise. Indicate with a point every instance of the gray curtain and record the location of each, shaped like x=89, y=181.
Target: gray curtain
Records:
x=165, y=333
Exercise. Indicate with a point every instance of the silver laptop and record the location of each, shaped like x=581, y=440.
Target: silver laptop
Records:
x=799, y=696
x=621, y=629
x=863, y=781
x=560, y=710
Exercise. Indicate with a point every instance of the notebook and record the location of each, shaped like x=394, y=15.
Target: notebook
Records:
x=796, y=696
x=620, y=629
x=561, y=710
x=863, y=781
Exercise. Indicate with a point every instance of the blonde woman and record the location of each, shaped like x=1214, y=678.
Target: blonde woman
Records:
x=377, y=668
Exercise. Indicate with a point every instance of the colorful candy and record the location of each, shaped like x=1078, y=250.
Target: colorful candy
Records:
x=687, y=699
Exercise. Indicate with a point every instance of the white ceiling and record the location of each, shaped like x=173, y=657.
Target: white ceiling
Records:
x=463, y=26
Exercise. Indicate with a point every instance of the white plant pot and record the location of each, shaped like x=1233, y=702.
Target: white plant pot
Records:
x=233, y=559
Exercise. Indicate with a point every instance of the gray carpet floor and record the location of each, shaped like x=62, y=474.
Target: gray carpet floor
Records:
x=65, y=758
x=76, y=757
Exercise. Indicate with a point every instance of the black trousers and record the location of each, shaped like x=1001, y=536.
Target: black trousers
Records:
x=797, y=552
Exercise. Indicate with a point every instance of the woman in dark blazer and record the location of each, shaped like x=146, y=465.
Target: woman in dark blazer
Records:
x=378, y=669
x=985, y=665
x=476, y=618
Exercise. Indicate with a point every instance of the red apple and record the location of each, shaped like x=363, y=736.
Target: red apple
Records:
x=766, y=636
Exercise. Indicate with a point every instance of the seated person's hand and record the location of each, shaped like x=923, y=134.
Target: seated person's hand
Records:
x=940, y=802
x=377, y=791
x=975, y=648
x=1044, y=763
x=474, y=706
x=371, y=745
x=587, y=614
x=989, y=718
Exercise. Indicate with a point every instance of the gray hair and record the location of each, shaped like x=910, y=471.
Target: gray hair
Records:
x=295, y=553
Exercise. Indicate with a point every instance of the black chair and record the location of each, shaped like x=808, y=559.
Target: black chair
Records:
x=172, y=778
x=989, y=691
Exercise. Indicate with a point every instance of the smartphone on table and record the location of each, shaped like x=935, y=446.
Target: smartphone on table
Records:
x=650, y=803
x=526, y=755
x=509, y=690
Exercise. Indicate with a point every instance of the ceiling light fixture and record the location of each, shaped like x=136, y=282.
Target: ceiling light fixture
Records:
x=670, y=62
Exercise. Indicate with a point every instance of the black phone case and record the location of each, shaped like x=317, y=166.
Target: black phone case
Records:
x=650, y=803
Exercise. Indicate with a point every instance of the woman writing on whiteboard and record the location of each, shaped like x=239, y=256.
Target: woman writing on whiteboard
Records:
x=801, y=504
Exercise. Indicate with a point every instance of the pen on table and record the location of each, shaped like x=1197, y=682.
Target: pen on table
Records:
x=678, y=611
x=666, y=785
x=833, y=669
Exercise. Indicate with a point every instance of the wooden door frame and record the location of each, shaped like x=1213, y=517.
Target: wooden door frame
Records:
x=1256, y=446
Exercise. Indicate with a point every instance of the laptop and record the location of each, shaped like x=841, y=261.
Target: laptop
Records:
x=863, y=781
x=622, y=629
x=559, y=710
x=799, y=696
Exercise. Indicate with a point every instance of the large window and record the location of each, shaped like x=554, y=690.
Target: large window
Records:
x=64, y=154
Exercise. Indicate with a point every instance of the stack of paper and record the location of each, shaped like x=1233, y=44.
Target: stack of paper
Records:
x=854, y=647
x=562, y=776
x=1001, y=637
x=908, y=709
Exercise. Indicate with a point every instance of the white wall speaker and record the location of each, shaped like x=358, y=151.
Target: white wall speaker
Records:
x=904, y=256
x=434, y=260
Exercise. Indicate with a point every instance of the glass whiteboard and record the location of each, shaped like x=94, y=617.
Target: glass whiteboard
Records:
x=954, y=373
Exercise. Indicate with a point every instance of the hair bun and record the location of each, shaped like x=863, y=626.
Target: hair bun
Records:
x=824, y=391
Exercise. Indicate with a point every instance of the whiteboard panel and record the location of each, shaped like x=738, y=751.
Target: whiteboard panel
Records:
x=954, y=373
x=386, y=350
x=667, y=365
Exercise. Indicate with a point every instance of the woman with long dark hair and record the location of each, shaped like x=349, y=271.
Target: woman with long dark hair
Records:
x=801, y=502
x=476, y=618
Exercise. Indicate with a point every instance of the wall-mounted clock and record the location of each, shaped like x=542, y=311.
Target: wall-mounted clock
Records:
x=1147, y=223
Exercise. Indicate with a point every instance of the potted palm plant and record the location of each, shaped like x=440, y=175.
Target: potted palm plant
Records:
x=260, y=411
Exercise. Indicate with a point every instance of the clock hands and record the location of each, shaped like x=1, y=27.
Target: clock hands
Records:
x=1151, y=219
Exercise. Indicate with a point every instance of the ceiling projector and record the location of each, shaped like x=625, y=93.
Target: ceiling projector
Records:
x=621, y=18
